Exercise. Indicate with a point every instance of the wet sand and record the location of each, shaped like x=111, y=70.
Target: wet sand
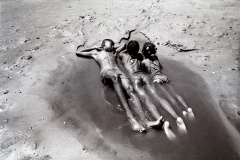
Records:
x=206, y=134
x=54, y=106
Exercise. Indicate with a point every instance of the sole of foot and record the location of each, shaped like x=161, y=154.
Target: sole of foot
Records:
x=181, y=124
x=184, y=113
x=166, y=126
x=190, y=113
x=169, y=133
x=137, y=126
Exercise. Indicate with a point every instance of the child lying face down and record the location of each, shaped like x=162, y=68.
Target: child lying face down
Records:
x=152, y=63
x=105, y=57
x=153, y=67
x=132, y=61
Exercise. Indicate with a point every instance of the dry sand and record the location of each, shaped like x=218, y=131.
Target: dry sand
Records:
x=53, y=105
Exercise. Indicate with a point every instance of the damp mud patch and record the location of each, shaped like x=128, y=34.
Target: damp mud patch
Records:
x=78, y=98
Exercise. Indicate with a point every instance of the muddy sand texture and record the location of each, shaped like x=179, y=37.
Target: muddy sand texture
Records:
x=54, y=106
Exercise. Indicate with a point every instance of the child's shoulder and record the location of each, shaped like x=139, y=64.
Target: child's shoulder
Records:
x=146, y=61
x=139, y=56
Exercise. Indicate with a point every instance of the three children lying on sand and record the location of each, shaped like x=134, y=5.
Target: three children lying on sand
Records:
x=142, y=71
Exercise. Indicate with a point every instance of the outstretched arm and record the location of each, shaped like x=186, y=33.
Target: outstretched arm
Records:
x=119, y=57
x=87, y=53
x=120, y=48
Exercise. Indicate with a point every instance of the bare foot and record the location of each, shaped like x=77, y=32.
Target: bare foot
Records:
x=181, y=124
x=136, y=126
x=166, y=126
x=190, y=113
x=179, y=121
x=184, y=113
x=168, y=131
x=156, y=123
x=189, y=110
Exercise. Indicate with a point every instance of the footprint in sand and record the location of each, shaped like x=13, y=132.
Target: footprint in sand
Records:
x=5, y=105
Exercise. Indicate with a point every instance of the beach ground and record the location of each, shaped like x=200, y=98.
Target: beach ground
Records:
x=38, y=69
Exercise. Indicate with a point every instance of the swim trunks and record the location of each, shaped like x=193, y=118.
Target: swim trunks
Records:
x=154, y=71
x=108, y=73
x=157, y=78
x=140, y=76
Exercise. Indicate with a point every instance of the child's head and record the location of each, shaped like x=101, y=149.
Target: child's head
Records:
x=133, y=47
x=149, y=50
x=108, y=45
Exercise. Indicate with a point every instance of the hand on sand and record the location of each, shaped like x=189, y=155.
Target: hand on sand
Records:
x=136, y=126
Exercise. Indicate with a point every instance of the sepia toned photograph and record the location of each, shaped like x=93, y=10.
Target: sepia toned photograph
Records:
x=119, y=80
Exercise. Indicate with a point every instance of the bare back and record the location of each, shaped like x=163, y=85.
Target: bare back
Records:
x=131, y=65
x=106, y=60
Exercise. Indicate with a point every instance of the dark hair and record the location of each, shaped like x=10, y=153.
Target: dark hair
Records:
x=105, y=40
x=148, y=46
x=133, y=47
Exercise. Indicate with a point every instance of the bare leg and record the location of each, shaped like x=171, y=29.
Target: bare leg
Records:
x=165, y=105
x=150, y=106
x=135, y=100
x=135, y=125
x=171, y=98
x=126, y=84
x=167, y=93
x=179, y=98
x=162, y=101
x=148, y=123
x=151, y=89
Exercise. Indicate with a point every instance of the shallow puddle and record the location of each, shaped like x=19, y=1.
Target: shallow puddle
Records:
x=83, y=98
